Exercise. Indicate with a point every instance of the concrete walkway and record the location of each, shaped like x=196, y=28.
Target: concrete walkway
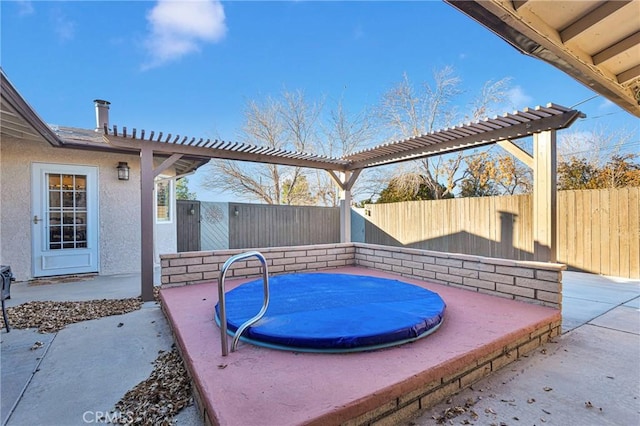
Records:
x=588, y=376
x=80, y=372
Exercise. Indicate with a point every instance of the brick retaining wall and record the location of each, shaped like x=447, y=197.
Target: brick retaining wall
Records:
x=533, y=282
x=204, y=266
x=402, y=409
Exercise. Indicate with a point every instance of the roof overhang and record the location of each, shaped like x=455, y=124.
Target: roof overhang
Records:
x=595, y=42
x=18, y=119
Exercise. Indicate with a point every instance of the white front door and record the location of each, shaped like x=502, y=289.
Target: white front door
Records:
x=64, y=219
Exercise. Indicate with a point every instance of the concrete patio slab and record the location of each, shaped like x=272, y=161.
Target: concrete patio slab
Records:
x=634, y=303
x=20, y=356
x=623, y=318
x=577, y=312
x=613, y=290
x=587, y=296
x=90, y=365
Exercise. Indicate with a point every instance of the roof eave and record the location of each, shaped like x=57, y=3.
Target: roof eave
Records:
x=531, y=43
x=13, y=97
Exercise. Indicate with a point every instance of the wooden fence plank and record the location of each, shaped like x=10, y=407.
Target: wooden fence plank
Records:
x=578, y=254
x=562, y=227
x=614, y=233
x=587, y=246
x=605, y=264
x=634, y=232
x=596, y=211
x=623, y=232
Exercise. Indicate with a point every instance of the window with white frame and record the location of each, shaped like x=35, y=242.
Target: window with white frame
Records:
x=164, y=200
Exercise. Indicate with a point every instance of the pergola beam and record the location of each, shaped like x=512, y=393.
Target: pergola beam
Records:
x=517, y=152
x=427, y=148
x=265, y=157
x=347, y=183
x=166, y=164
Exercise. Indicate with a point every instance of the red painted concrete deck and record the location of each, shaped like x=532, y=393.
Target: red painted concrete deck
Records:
x=258, y=386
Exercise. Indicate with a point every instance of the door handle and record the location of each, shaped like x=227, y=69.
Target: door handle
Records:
x=36, y=220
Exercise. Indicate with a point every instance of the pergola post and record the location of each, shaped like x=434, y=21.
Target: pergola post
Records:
x=146, y=223
x=544, y=196
x=345, y=211
x=345, y=181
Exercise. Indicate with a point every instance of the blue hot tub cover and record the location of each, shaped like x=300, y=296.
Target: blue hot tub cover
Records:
x=325, y=312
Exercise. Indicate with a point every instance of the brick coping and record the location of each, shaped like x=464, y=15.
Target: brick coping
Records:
x=550, y=266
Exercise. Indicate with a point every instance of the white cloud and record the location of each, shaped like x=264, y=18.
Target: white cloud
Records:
x=518, y=99
x=178, y=28
x=64, y=27
x=25, y=7
x=605, y=105
x=358, y=32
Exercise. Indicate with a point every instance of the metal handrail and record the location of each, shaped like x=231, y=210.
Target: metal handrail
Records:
x=222, y=302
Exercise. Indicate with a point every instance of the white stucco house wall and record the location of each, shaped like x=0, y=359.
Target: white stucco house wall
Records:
x=63, y=208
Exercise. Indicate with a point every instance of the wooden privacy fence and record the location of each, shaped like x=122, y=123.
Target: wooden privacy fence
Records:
x=486, y=226
x=221, y=226
x=598, y=230
x=264, y=225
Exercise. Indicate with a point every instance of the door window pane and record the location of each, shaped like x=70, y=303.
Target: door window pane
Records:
x=67, y=211
x=54, y=198
x=81, y=199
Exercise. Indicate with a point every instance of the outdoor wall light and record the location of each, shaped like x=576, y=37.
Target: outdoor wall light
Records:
x=123, y=171
x=192, y=210
x=235, y=211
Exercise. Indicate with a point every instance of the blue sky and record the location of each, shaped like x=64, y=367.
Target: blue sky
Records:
x=191, y=69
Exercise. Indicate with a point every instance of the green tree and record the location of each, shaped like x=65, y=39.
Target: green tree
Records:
x=182, y=190
x=619, y=172
x=577, y=173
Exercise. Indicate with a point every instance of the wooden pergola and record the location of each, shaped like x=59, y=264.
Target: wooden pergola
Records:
x=540, y=122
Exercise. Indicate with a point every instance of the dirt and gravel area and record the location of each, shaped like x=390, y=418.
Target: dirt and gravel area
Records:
x=156, y=400
x=49, y=317
x=152, y=402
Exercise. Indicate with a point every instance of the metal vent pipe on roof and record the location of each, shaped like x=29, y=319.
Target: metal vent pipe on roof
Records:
x=102, y=114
